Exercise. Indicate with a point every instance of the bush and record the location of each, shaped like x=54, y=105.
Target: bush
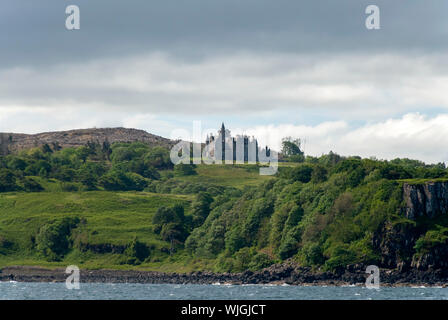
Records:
x=243, y=259
x=136, y=252
x=201, y=208
x=312, y=254
x=53, y=239
x=432, y=238
x=301, y=173
x=159, y=158
x=120, y=181
x=259, y=261
x=31, y=185
x=319, y=174
x=290, y=244
x=184, y=169
x=69, y=187
x=7, y=181
x=171, y=223
x=340, y=256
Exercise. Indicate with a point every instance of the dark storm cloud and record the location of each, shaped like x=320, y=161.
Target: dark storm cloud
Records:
x=33, y=32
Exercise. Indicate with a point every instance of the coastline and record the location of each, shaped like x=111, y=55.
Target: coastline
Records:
x=274, y=275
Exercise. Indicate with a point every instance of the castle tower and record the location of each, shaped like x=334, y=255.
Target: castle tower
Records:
x=223, y=142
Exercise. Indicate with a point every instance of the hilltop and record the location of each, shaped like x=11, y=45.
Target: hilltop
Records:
x=14, y=142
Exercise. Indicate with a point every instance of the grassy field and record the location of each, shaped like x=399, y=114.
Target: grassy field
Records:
x=236, y=176
x=113, y=218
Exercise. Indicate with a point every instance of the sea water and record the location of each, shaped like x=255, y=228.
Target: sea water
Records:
x=104, y=291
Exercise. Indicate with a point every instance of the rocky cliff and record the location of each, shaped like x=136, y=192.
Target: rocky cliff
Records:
x=14, y=142
x=423, y=204
x=425, y=200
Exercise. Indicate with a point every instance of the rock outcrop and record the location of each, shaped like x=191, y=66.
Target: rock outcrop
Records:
x=428, y=199
x=396, y=241
x=14, y=142
x=396, y=244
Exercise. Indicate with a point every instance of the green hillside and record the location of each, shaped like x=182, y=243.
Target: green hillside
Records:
x=126, y=206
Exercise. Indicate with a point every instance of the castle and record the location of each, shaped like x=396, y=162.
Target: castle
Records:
x=239, y=149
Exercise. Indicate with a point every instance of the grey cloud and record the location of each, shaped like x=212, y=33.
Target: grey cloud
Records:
x=350, y=86
x=33, y=33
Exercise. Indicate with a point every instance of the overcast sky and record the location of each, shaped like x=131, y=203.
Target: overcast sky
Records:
x=307, y=69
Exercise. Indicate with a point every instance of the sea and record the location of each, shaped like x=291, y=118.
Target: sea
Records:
x=130, y=291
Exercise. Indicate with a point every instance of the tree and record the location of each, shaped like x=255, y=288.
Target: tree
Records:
x=291, y=147
x=166, y=215
x=117, y=180
x=7, y=180
x=302, y=173
x=171, y=224
x=136, y=251
x=106, y=149
x=17, y=164
x=31, y=185
x=201, y=208
x=53, y=238
x=46, y=148
x=83, y=153
x=159, y=158
x=319, y=174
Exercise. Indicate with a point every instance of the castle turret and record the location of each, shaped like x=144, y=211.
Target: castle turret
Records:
x=223, y=142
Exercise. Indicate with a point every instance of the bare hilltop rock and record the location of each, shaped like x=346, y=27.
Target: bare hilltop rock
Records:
x=14, y=142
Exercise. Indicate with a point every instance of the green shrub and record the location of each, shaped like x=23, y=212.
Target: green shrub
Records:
x=431, y=239
x=7, y=180
x=301, y=173
x=259, y=261
x=31, y=185
x=184, y=170
x=312, y=254
x=69, y=187
x=53, y=240
x=136, y=252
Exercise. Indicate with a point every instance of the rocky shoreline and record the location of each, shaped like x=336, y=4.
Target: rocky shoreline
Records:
x=276, y=274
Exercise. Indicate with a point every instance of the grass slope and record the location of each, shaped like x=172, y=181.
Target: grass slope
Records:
x=112, y=218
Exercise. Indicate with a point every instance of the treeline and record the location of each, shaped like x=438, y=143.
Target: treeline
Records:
x=122, y=166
